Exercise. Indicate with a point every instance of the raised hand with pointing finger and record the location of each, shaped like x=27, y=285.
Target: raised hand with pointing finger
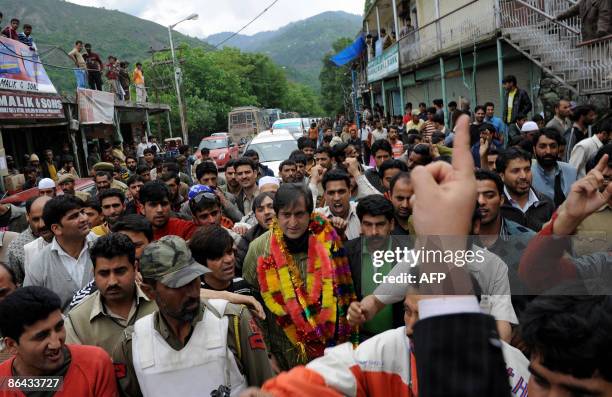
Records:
x=451, y=188
x=586, y=196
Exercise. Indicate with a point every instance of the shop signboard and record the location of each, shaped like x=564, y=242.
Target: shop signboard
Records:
x=384, y=65
x=26, y=105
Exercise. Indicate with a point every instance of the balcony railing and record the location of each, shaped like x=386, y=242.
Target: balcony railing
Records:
x=470, y=23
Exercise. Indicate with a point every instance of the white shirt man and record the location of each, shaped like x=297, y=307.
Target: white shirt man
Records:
x=353, y=227
x=56, y=270
x=74, y=266
x=383, y=365
x=379, y=134
x=141, y=148
x=584, y=151
x=365, y=132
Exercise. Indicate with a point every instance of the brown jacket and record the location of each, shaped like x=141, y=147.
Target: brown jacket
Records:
x=593, y=234
x=595, y=15
x=89, y=323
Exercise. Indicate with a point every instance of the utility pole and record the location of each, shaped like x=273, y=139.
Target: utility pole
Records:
x=177, y=78
x=177, y=85
x=161, y=82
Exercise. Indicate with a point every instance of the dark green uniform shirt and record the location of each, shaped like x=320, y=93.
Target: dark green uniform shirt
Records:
x=91, y=323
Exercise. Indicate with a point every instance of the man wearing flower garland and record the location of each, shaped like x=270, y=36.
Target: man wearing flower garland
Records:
x=301, y=270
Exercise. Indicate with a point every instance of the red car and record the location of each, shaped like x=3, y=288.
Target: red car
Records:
x=18, y=199
x=221, y=149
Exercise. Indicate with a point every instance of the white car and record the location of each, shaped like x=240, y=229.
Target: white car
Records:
x=273, y=147
x=297, y=127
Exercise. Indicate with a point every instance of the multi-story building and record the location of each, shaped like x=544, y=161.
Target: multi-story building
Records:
x=459, y=50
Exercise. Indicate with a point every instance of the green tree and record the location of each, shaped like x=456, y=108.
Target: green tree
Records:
x=335, y=81
x=214, y=82
x=268, y=81
x=302, y=99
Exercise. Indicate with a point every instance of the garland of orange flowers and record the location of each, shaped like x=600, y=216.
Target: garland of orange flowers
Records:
x=313, y=316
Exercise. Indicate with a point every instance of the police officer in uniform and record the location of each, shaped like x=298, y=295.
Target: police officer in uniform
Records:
x=110, y=168
x=189, y=346
x=101, y=318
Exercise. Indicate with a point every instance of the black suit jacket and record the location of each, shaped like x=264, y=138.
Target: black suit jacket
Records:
x=459, y=355
x=521, y=105
x=535, y=217
x=240, y=201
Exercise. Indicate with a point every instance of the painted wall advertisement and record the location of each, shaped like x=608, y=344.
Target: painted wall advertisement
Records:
x=21, y=69
x=26, y=92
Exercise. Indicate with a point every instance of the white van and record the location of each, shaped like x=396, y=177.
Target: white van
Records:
x=297, y=127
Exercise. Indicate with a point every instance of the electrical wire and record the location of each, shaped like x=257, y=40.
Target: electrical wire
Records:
x=39, y=62
x=28, y=58
x=245, y=26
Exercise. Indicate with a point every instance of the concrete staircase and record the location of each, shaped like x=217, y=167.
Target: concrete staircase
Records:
x=527, y=25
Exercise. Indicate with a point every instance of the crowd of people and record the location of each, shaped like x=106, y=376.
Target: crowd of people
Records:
x=174, y=277
x=89, y=67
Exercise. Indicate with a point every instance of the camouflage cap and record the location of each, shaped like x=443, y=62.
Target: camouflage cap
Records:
x=169, y=261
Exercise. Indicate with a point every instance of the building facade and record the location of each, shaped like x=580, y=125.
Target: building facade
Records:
x=459, y=50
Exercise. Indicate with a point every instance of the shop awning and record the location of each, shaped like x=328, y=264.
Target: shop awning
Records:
x=350, y=53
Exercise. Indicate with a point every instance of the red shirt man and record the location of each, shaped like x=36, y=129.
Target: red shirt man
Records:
x=92, y=59
x=155, y=198
x=11, y=30
x=175, y=227
x=31, y=322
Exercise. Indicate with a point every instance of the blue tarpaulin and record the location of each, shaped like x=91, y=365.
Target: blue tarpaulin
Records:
x=349, y=53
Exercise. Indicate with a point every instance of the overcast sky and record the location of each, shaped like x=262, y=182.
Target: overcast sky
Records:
x=225, y=15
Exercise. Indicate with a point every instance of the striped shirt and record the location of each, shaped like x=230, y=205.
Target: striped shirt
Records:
x=429, y=128
x=237, y=286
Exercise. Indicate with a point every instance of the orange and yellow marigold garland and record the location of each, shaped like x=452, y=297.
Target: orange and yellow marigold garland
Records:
x=313, y=316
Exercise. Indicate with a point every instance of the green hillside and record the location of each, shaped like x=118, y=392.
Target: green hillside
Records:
x=59, y=24
x=300, y=45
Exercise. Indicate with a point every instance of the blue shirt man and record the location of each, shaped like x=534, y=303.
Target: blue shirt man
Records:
x=26, y=37
x=497, y=122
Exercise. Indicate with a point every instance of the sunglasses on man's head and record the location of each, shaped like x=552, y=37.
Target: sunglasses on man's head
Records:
x=194, y=203
x=207, y=195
